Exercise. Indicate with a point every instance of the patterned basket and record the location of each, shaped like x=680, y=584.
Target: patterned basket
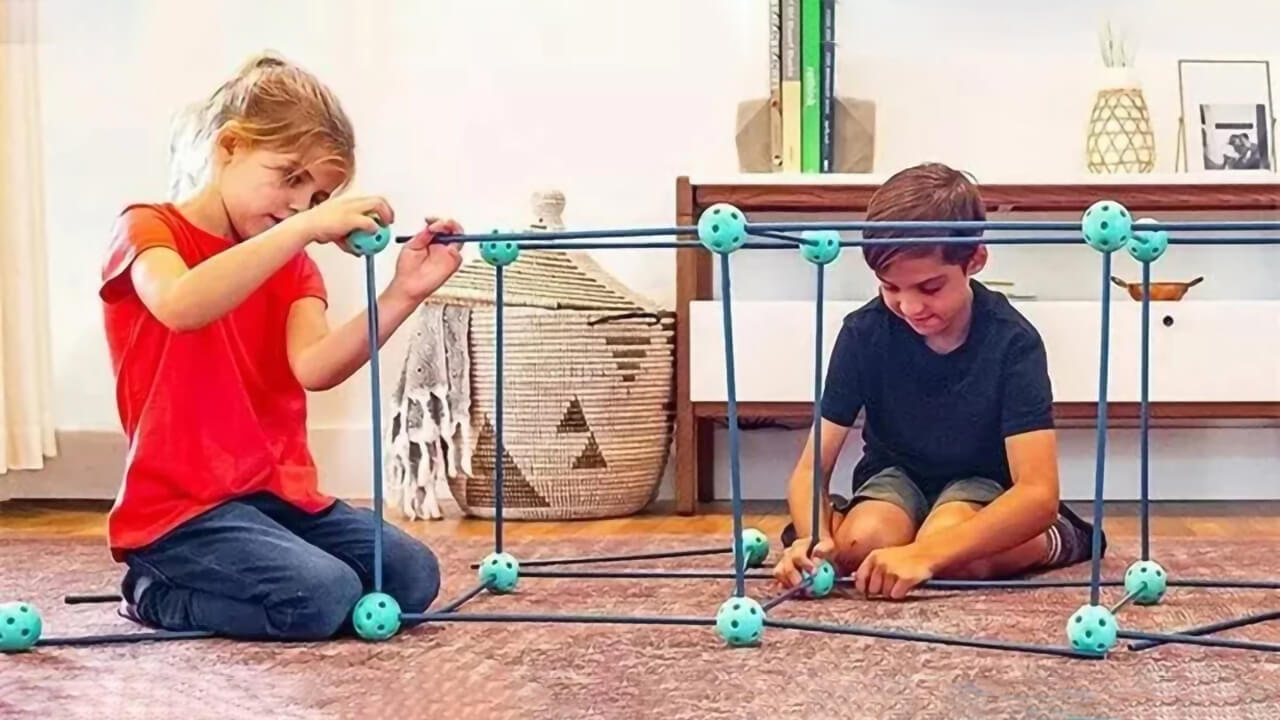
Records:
x=588, y=383
x=1120, y=137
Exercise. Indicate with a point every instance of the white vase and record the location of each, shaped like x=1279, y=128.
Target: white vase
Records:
x=1118, y=78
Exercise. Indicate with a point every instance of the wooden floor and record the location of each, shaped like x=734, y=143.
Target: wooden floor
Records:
x=85, y=519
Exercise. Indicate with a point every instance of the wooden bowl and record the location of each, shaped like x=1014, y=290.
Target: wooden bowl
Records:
x=1160, y=291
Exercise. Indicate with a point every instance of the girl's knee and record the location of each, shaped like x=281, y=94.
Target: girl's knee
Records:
x=412, y=574
x=316, y=604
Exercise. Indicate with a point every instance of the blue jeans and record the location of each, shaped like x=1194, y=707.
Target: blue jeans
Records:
x=259, y=568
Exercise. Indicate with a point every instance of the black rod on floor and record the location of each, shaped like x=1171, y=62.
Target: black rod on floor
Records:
x=798, y=589
x=1197, y=640
x=113, y=638
x=1212, y=628
x=928, y=638
x=91, y=598
x=620, y=558
x=463, y=599
x=566, y=618
x=643, y=574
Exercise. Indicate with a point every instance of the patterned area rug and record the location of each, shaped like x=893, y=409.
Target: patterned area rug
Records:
x=474, y=670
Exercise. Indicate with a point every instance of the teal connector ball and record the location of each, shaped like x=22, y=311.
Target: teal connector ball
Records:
x=824, y=248
x=500, y=572
x=1147, y=245
x=740, y=621
x=499, y=253
x=1107, y=226
x=363, y=242
x=376, y=617
x=1146, y=581
x=722, y=228
x=1092, y=629
x=824, y=580
x=755, y=547
x=20, y=627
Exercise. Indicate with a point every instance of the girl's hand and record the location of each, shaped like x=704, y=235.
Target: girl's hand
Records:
x=334, y=219
x=425, y=263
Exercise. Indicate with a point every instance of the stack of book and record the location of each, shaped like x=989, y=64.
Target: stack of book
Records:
x=801, y=84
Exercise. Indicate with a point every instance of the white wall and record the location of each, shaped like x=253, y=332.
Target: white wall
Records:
x=467, y=107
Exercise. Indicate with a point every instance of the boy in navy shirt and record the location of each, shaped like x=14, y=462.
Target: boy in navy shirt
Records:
x=959, y=472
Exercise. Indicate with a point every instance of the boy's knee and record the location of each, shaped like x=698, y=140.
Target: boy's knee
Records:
x=412, y=574
x=316, y=604
x=974, y=570
x=854, y=547
x=865, y=532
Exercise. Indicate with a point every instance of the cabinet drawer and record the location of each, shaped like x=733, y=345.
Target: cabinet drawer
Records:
x=1200, y=351
x=1210, y=351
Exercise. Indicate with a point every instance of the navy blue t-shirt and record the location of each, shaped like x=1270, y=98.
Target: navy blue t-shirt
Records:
x=939, y=417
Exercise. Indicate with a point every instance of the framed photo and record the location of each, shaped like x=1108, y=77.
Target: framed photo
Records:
x=1227, y=120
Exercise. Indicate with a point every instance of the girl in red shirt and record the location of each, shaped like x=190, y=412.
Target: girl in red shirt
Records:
x=215, y=320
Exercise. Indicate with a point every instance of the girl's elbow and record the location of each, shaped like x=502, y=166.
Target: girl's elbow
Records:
x=179, y=318
x=314, y=382
x=311, y=378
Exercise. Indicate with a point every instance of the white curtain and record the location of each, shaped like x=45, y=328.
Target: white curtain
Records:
x=26, y=392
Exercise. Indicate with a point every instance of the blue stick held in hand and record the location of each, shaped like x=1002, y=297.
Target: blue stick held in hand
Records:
x=371, y=297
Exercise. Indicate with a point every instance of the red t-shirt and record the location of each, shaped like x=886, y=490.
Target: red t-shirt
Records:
x=210, y=414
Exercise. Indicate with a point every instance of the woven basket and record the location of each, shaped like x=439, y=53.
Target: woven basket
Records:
x=1120, y=137
x=588, y=381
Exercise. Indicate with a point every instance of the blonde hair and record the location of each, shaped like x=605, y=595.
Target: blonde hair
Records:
x=271, y=104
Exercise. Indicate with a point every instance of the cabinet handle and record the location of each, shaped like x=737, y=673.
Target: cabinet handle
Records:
x=1167, y=321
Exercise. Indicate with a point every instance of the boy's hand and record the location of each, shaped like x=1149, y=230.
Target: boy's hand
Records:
x=797, y=559
x=334, y=219
x=425, y=264
x=894, y=571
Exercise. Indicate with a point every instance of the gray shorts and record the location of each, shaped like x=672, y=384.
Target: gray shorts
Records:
x=893, y=485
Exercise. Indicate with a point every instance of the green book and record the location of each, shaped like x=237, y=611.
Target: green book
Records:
x=811, y=86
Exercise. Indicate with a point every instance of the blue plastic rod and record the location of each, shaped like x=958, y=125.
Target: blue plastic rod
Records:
x=1095, y=566
x=735, y=469
x=371, y=297
x=793, y=239
x=1144, y=516
x=498, y=303
x=1018, y=225
x=815, y=516
x=858, y=225
x=791, y=243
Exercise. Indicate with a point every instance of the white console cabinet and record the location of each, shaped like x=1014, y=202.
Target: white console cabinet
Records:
x=1201, y=351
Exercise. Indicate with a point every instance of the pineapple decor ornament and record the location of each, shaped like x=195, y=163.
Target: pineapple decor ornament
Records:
x=1120, y=137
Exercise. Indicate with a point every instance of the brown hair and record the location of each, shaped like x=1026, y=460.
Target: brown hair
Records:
x=271, y=104
x=931, y=191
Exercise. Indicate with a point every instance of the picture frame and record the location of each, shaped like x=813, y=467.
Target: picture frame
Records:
x=1226, y=118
